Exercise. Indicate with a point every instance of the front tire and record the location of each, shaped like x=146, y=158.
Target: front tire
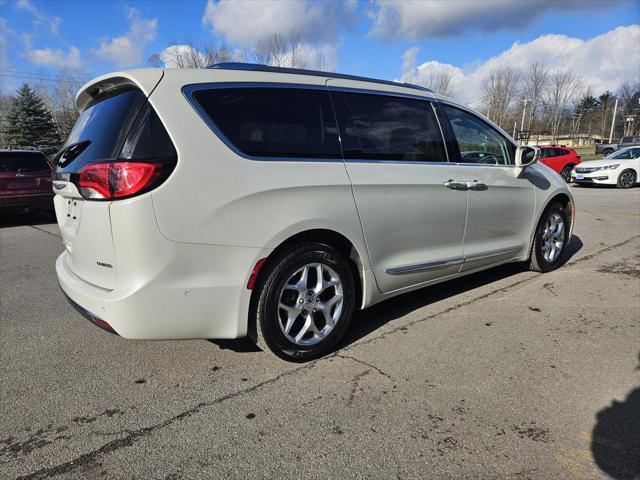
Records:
x=305, y=302
x=626, y=179
x=550, y=241
x=565, y=173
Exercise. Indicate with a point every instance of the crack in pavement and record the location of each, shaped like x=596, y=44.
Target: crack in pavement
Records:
x=362, y=362
x=45, y=231
x=87, y=459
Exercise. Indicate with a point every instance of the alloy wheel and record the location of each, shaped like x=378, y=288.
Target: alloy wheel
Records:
x=627, y=179
x=553, y=238
x=310, y=304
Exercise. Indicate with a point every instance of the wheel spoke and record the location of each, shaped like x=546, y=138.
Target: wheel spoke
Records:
x=319, y=280
x=305, y=328
x=292, y=314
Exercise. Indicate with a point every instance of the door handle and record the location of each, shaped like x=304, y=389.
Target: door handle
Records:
x=453, y=185
x=477, y=186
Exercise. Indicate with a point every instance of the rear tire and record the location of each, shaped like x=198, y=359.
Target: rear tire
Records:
x=626, y=179
x=298, y=316
x=550, y=240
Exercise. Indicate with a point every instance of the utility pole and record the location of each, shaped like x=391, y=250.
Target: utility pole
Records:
x=613, y=121
x=524, y=111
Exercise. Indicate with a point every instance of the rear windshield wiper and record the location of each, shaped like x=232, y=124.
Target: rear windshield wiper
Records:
x=70, y=152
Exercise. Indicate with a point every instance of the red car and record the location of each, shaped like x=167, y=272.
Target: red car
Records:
x=25, y=181
x=561, y=159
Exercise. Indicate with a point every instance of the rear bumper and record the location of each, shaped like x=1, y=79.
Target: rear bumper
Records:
x=187, y=299
x=164, y=289
x=90, y=316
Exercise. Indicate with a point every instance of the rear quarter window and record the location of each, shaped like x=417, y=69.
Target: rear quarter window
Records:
x=273, y=122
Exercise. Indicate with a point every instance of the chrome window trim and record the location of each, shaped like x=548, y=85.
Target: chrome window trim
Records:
x=188, y=92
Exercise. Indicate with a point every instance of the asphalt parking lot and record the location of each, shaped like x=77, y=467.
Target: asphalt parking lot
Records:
x=506, y=374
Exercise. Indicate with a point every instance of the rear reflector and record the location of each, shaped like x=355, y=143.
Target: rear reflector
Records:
x=116, y=179
x=254, y=273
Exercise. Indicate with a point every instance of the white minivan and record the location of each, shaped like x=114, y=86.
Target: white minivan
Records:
x=271, y=202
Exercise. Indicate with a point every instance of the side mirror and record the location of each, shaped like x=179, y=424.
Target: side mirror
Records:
x=526, y=156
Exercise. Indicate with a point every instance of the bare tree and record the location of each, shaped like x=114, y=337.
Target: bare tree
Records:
x=59, y=97
x=499, y=90
x=280, y=51
x=192, y=55
x=629, y=95
x=440, y=82
x=563, y=87
x=272, y=51
x=533, y=85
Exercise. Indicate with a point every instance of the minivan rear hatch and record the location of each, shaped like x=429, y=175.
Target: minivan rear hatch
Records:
x=108, y=124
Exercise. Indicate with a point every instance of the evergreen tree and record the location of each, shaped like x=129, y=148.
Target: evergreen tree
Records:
x=29, y=123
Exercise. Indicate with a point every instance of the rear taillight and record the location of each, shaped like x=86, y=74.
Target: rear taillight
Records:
x=107, y=181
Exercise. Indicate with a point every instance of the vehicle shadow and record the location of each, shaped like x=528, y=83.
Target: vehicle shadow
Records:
x=368, y=321
x=615, y=440
x=22, y=219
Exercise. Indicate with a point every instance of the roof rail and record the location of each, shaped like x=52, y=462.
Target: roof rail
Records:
x=259, y=67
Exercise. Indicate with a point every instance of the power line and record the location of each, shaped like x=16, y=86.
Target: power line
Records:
x=41, y=77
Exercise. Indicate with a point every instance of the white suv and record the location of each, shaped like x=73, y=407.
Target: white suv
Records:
x=251, y=200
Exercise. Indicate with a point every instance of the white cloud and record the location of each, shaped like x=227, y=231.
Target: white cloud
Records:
x=51, y=23
x=603, y=62
x=55, y=58
x=246, y=22
x=127, y=50
x=437, y=18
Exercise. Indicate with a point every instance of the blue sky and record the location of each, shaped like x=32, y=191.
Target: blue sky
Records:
x=392, y=40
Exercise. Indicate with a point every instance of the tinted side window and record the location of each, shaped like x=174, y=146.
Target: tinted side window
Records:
x=478, y=141
x=635, y=153
x=626, y=140
x=23, y=161
x=385, y=127
x=623, y=155
x=274, y=122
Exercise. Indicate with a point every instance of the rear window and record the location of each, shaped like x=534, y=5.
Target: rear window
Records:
x=102, y=128
x=385, y=127
x=274, y=122
x=23, y=161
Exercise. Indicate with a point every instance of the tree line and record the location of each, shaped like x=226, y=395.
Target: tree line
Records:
x=557, y=102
